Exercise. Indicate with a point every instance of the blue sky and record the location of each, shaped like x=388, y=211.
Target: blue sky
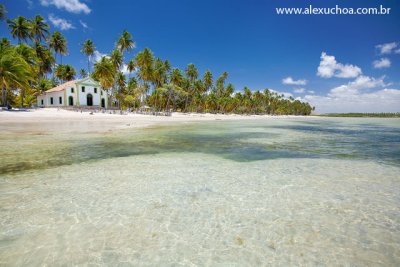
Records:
x=338, y=63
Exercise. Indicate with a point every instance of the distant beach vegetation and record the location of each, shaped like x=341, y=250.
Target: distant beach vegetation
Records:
x=34, y=64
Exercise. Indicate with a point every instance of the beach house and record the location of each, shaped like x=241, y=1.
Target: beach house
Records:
x=85, y=92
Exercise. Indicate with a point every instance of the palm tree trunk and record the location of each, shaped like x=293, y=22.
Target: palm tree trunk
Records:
x=186, y=101
x=3, y=97
x=155, y=103
x=22, y=97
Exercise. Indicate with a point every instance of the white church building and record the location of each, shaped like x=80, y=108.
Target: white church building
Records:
x=85, y=92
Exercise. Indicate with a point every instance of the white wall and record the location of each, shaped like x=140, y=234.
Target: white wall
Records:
x=79, y=97
x=47, y=99
x=39, y=100
x=89, y=89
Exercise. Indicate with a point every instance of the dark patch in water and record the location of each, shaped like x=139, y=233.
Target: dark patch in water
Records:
x=227, y=140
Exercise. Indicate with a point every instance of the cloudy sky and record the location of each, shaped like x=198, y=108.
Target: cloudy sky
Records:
x=338, y=63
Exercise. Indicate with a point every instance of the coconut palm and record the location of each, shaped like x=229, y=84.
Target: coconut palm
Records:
x=15, y=72
x=45, y=58
x=131, y=86
x=69, y=73
x=207, y=80
x=104, y=72
x=29, y=55
x=117, y=59
x=88, y=49
x=20, y=28
x=42, y=85
x=59, y=44
x=145, y=60
x=191, y=74
x=120, y=81
x=131, y=66
x=125, y=42
x=59, y=72
x=82, y=73
x=3, y=12
x=38, y=29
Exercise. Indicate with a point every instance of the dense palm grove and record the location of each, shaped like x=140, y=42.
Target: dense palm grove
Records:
x=34, y=65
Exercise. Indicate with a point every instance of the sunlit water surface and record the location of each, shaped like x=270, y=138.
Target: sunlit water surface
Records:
x=316, y=191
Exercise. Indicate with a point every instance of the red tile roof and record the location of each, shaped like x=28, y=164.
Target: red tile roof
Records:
x=62, y=86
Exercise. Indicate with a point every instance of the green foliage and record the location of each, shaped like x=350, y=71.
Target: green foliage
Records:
x=23, y=70
x=15, y=72
x=369, y=115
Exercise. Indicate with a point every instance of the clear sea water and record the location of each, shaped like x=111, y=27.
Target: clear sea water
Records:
x=315, y=191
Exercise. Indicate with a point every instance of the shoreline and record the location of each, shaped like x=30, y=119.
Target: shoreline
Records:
x=57, y=120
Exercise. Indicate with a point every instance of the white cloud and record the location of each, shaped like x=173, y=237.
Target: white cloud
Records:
x=299, y=90
x=30, y=4
x=289, y=80
x=329, y=67
x=387, y=48
x=97, y=56
x=397, y=51
x=84, y=24
x=73, y=6
x=311, y=92
x=60, y=23
x=354, y=87
x=124, y=69
x=364, y=94
x=385, y=100
x=381, y=63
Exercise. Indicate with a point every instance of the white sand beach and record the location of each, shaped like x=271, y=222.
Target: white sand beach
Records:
x=76, y=121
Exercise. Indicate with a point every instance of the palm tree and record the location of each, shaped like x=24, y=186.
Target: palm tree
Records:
x=29, y=55
x=45, y=58
x=59, y=44
x=82, y=73
x=125, y=42
x=4, y=42
x=191, y=73
x=69, y=73
x=176, y=77
x=117, y=59
x=39, y=29
x=207, y=80
x=20, y=28
x=104, y=72
x=88, y=49
x=121, y=83
x=131, y=66
x=159, y=76
x=145, y=60
x=43, y=85
x=3, y=12
x=59, y=72
x=15, y=72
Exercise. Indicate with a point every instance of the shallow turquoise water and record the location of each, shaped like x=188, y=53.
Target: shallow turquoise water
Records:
x=318, y=191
